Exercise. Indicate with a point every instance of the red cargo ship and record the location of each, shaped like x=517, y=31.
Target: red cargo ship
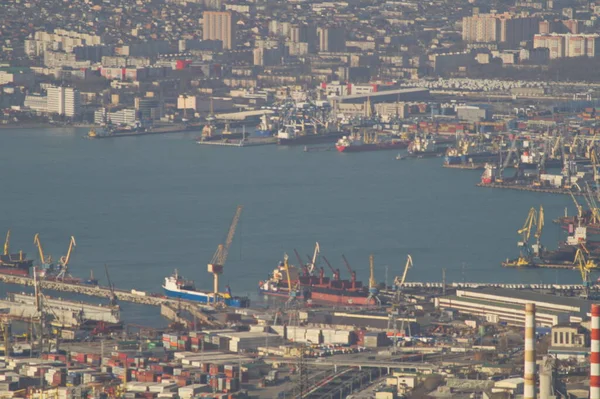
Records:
x=357, y=144
x=15, y=264
x=317, y=288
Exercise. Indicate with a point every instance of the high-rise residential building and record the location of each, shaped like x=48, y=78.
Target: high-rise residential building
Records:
x=568, y=45
x=64, y=101
x=332, y=39
x=220, y=25
x=500, y=28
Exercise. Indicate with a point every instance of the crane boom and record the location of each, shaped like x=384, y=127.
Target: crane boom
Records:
x=38, y=243
x=577, y=205
x=220, y=255
x=312, y=265
x=111, y=287
x=400, y=282
x=65, y=259
x=328, y=264
x=525, y=231
x=372, y=281
x=347, y=264
x=7, y=244
x=540, y=225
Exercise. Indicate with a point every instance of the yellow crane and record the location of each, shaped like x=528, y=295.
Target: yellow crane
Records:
x=577, y=205
x=594, y=159
x=45, y=261
x=585, y=266
x=538, y=231
x=7, y=244
x=373, y=290
x=220, y=257
x=292, y=290
x=63, y=262
x=525, y=231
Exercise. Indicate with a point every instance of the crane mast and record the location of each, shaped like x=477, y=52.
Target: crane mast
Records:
x=585, y=266
x=220, y=257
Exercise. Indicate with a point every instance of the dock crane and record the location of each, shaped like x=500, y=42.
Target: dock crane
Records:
x=312, y=264
x=46, y=262
x=373, y=290
x=63, y=263
x=585, y=266
x=7, y=244
x=503, y=165
x=292, y=291
x=336, y=272
x=111, y=287
x=577, y=206
x=399, y=281
x=218, y=260
x=525, y=231
x=352, y=272
x=301, y=264
x=537, y=249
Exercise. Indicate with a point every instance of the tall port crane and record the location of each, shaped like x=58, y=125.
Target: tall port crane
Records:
x=301, y=264
x=399, y=281
x=538, y=232
x=45, y=261
x=113, y=296
x=7, y=244
x=352, y=272
x=63, y=262
x=373, y=290
x=292, y=290
x=335, y=272
x=577, y=206
x=312, y=265
x=585, y=266
x=218, y=260
x=525, y=231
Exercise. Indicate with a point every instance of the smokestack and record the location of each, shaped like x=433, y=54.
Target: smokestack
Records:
x=530, y=351
x=595, y=354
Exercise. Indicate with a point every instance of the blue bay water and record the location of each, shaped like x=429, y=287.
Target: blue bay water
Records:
x=147, y=205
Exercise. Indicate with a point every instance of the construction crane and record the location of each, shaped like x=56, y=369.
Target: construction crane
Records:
x=218, y=260
x=352, y=272
x=111, y=287
x=63, y=263
x=335, y=272
x=373, y=290
x=585, y=266
x=46, y=262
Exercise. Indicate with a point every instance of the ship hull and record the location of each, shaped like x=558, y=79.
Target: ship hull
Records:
x=201, y=297
x=14, y=271
x=312, y=139
x=475, y=158
x=328, y=296
x=372, y=147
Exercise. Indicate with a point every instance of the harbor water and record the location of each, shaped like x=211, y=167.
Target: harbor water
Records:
x=148, y=205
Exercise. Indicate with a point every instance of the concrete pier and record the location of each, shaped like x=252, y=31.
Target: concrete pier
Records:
x=67, y=313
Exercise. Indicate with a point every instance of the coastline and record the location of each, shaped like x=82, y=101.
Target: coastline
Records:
x=44, y=125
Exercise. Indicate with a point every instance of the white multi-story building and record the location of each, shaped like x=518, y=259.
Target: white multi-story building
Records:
x=122, y=117
x=37, y=103
x=64, y=101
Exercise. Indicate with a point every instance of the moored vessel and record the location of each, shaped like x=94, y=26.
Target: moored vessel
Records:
x=176, y=286
x=356, y=143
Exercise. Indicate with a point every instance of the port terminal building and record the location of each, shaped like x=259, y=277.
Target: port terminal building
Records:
x=501, y=305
